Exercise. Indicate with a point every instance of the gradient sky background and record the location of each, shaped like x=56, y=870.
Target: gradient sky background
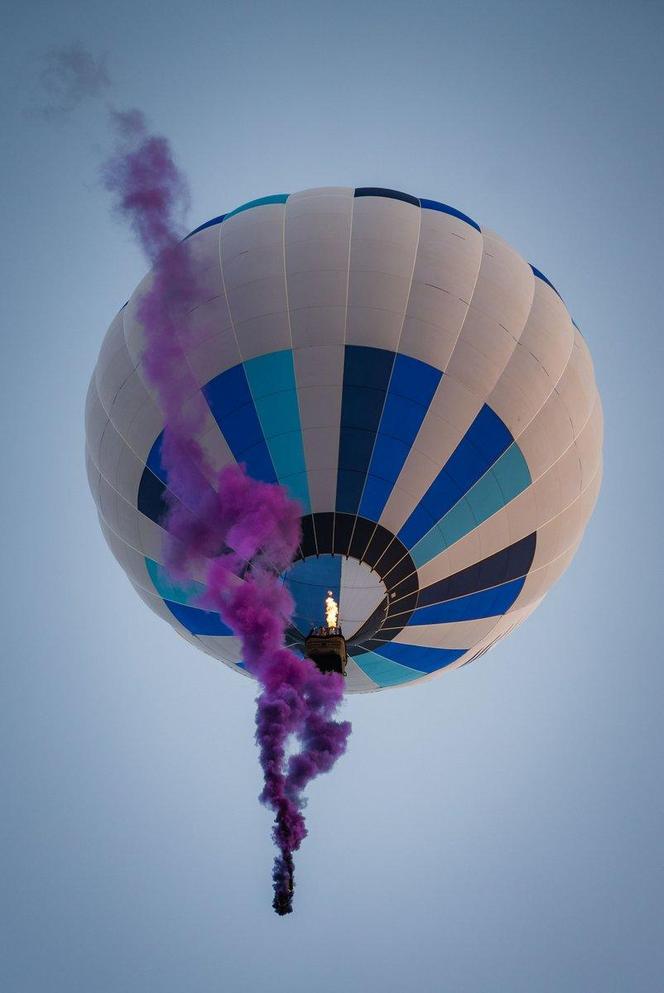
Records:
x=498, y=829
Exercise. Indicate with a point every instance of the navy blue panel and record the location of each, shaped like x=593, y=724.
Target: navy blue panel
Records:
x=402, y=579
x=446, y=209
x=380, y=539
x=485, y=603
x=324, y=524
x=349, y=490
x=355, y=447
x=392, y=555
x=400, y=610
x=366, y=376
x=198, y=621
x=540, y=275
x=367, y=367
x=510, y=563
x=378, y=191
x=308, y=543
x=361, y=537
x=208, y=224
x=483, y=443
x=343, y=531
x=361, y=407
x=151, y=500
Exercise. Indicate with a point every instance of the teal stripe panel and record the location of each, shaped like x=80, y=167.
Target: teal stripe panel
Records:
x=272, y=383
x=169, y=590
x=383, y=672
x=508, y=477
x=275, y=198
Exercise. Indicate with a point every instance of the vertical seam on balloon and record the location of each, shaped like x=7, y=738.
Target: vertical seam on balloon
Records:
x=292, y=351
x=228, y=302
x=297, y=392
x=336, y=487
x=394, y=362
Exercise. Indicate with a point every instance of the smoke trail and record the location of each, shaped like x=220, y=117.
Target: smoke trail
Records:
x=241, y=532
x=69, y=76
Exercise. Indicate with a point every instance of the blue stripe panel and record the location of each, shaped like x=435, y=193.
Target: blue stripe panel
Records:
x=308, y=581
x=208, y=224
x=378, y=191
x=540, y=275
x=366, y=377
x=272, y=383
x=485, y=603
x=508, y=477
x=483, y=443
x=275, y=198
x=198, y=621
x=153, y=461
x=410, y=391
x=382, y=671
x=419, y=657
x=229, y=398
x=445, y=209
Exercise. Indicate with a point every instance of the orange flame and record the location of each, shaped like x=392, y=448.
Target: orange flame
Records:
x=331, y=610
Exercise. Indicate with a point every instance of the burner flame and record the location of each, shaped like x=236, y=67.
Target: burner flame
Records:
x=331, y=610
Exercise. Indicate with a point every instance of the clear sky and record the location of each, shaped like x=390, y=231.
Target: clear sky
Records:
x=495, y=831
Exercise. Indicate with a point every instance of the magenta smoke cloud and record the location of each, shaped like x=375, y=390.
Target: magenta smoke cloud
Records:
x=239, y=533
x=243, y=533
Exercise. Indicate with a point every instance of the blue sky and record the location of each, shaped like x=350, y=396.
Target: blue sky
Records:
x=497, y=829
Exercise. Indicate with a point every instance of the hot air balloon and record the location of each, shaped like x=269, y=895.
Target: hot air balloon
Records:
x=417, y=386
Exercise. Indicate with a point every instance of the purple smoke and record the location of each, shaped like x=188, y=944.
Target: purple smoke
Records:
x=241, y=532
x=69, y=76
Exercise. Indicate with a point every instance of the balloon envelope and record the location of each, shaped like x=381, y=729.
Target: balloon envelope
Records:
x=411, y=380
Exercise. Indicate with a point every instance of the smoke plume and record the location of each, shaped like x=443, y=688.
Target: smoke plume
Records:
x=68, y=77
x=242, y=534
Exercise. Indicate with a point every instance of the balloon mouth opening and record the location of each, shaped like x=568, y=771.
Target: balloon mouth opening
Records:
x=336, y=595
